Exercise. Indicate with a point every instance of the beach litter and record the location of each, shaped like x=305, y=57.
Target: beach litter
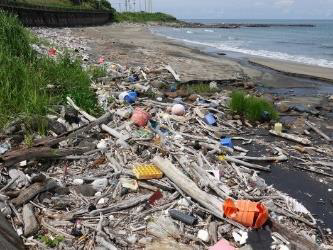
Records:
x=140, y=177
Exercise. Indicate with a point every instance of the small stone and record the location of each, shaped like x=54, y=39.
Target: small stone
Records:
x=145, y=240
x=71, y=115
x=23, y=163
x=122, y=232
x=329, y=190
x=111, y=217
x=5, y=209
x=249, y=85
x=22, y=178
x=183, y=202
x=97, y=194
x=282, y=107
x=132, y=239
x=30, y=223
x=19, y=231
x=100, y=184
x=78, y=182
x=102, y=201
x=203, y=235
x=57, y=127
x=193, y=97
x=159, y=99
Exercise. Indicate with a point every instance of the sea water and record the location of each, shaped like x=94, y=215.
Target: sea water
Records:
x=309, y=45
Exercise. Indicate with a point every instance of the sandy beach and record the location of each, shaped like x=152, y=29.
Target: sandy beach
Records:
x=134, y=44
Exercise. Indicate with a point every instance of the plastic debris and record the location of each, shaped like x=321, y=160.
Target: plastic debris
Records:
x=78, y=182
x=146, y=172
x=178, y=109
x=227, y=142
x=140, y=117
x=101, y=60
x=222, y=245
x=203, y=235
x=52, y=52
x=177, y=215
x=129, y=183
x=131, y=97
x=4, y=147
x=278, y=128
x=210, y=119
x=240, y=236
x=155, y=197
x=248, y=213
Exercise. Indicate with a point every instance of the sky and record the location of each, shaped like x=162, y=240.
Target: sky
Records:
x=240, y=9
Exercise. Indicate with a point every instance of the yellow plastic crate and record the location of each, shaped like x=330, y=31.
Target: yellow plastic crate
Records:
x=146, y=172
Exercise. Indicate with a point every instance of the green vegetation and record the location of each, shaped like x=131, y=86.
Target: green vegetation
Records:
x=30, y=84
x=97, y=72
x=73, y=4
x=251, y=107
x=200, y=88
x=143, y=17
x=51, y=241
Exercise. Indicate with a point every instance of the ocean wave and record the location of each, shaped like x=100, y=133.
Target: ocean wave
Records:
x=211, y=31
x=297, y=43
x=189, y=32
x=264, y=53
x=324, y=46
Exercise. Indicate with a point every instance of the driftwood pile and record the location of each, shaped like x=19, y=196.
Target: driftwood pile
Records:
x=77, y=189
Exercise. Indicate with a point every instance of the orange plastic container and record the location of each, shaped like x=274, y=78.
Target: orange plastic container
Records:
x=140, y=117
x=248, y=213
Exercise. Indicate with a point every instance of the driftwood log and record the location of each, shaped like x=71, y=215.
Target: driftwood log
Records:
x=34, y=189
x=291, y=137
x=35, y=153
x=71, y=134
x=318, y=131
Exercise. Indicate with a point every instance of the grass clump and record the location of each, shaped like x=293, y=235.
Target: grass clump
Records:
x=51, y=241
x=252, y=107
x=200, y=88
x=143, y=17
x=97, y=72
x=31, y=84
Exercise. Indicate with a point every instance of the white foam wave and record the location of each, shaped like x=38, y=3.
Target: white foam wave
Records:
x=211, y=31
x=265, y=53
x=189, y=32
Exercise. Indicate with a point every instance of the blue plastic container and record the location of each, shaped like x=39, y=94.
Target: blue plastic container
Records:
x=210, y=119
x=131, y=97
x=227, y=142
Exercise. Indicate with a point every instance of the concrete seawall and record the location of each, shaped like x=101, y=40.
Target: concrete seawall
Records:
x=57, y=18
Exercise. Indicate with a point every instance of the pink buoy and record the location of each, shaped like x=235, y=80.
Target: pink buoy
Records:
x=178, y=109
x=140, y=117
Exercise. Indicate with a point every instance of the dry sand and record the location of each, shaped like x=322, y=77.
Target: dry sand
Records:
x=134, y=44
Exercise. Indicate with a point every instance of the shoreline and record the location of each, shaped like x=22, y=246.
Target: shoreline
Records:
x=287, y=67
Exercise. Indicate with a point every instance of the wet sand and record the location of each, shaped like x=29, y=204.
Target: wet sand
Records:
x=295, y=69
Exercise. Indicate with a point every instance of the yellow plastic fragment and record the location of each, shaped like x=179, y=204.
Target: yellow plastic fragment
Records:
x=146, y=172
x=221, y=157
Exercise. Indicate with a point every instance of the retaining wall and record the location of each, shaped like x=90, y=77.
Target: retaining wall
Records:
x=58, y=18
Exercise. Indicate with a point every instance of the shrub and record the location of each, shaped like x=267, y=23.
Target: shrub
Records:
x=142, y=17
x=253, y=108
